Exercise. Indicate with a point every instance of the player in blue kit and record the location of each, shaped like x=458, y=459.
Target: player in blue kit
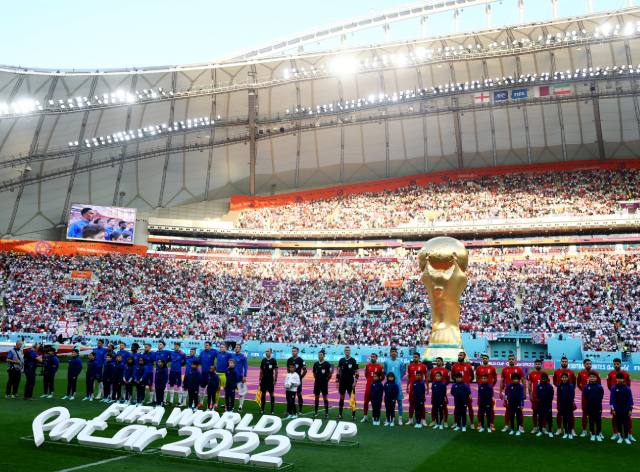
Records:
x=221, y=368
x=242, y=368
x=396, y=367
x=149, y=361
x=186, y=389
x=207, y=359
x=177, y=358
x=163, y=354
x=101, y=357
x=124, y=353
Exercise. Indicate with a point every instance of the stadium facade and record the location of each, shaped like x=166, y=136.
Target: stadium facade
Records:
x=180, y=141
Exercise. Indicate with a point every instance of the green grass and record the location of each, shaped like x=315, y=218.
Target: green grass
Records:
x=381, y=448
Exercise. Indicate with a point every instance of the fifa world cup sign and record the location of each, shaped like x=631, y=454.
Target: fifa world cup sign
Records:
x=443, y=262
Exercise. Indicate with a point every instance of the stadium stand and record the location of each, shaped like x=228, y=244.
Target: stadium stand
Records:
x=512, y=196
x=592, y=294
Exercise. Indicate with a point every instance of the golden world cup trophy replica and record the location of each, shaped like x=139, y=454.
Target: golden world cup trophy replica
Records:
x=443, y=262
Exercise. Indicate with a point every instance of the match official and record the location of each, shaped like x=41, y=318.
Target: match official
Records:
x=301, y=370
x=346, y=379
x=268, y=379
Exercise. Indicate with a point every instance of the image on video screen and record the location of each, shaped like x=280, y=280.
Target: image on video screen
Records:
x=101, y=223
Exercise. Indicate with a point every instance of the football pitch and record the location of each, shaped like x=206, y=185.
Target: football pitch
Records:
x=380, y=448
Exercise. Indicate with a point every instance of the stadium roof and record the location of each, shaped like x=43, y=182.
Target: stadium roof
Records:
x=73, y=136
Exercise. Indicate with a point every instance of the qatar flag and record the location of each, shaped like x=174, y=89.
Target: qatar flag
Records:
x=543, y=91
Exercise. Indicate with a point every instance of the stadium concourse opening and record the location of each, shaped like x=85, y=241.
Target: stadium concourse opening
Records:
x=277, y=295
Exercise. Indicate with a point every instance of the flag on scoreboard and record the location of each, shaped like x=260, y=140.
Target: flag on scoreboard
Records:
x=519, y=93
x=543, y=91
x=482, y=97
x=259, y=397
x=500, y=95
x=562, y=89
x=352, y=402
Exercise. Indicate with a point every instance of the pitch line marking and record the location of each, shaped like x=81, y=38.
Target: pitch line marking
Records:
x=95, y=463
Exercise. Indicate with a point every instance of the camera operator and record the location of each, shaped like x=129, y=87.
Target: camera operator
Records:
x=31, y=360
x=15, y=366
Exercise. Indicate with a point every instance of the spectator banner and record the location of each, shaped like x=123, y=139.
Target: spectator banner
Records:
x=538, y=338
x=51, y=248
x=66, y=328
x=630, y=205
x=234, y=336
x=393, y=283
x=81, y=274
x=202, y=257
x=523, y=262
x=270, y=283
x=242, y=202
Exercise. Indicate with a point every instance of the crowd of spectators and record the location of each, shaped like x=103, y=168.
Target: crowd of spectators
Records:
x=511, y=196
x=320, y=303
x=595, y=295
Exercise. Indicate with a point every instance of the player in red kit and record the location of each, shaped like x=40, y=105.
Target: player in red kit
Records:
x=372, y=368
x=416, y=366
x=534, y=380
x=611, y=381
x=464, y=368
x=492, y=378
x=505, y=380
x=444, y=372
x=583, y=380
x=557, y=380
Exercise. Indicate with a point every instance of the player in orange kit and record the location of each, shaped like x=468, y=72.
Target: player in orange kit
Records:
x=505, y=380
x=444, y=376
x=416, y=366
x=583, y=380
x=557, y=380
x=464, y=368
x=534, y=379
x=372, y=368
x=611, y=382
x=492, y=378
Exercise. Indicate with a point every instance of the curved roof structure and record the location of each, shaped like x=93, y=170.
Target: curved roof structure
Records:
x=175, y=135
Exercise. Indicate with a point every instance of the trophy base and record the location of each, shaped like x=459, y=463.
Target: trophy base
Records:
x=448, y=352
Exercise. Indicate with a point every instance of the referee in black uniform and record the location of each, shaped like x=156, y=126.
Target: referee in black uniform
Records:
x=345, y=381
x=301, y=370
x=268, y=379
x=322, y=374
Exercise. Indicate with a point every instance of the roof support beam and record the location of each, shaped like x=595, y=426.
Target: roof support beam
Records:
x=525, y=115
x=211, y=136
x=252, y=141
x=386, y=123
x=32, y=151
x=298, y=126
x=493, y=126
x=560, y=115
x=92, y=90
x=564, y=142
x=134, y=80
x=174, y=81
x=635, y=99
x=341, y=134
x=596, y=117
x=596, y=106
x=456, y=127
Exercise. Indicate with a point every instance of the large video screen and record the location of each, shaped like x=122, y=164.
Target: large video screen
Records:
x=101, y=223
